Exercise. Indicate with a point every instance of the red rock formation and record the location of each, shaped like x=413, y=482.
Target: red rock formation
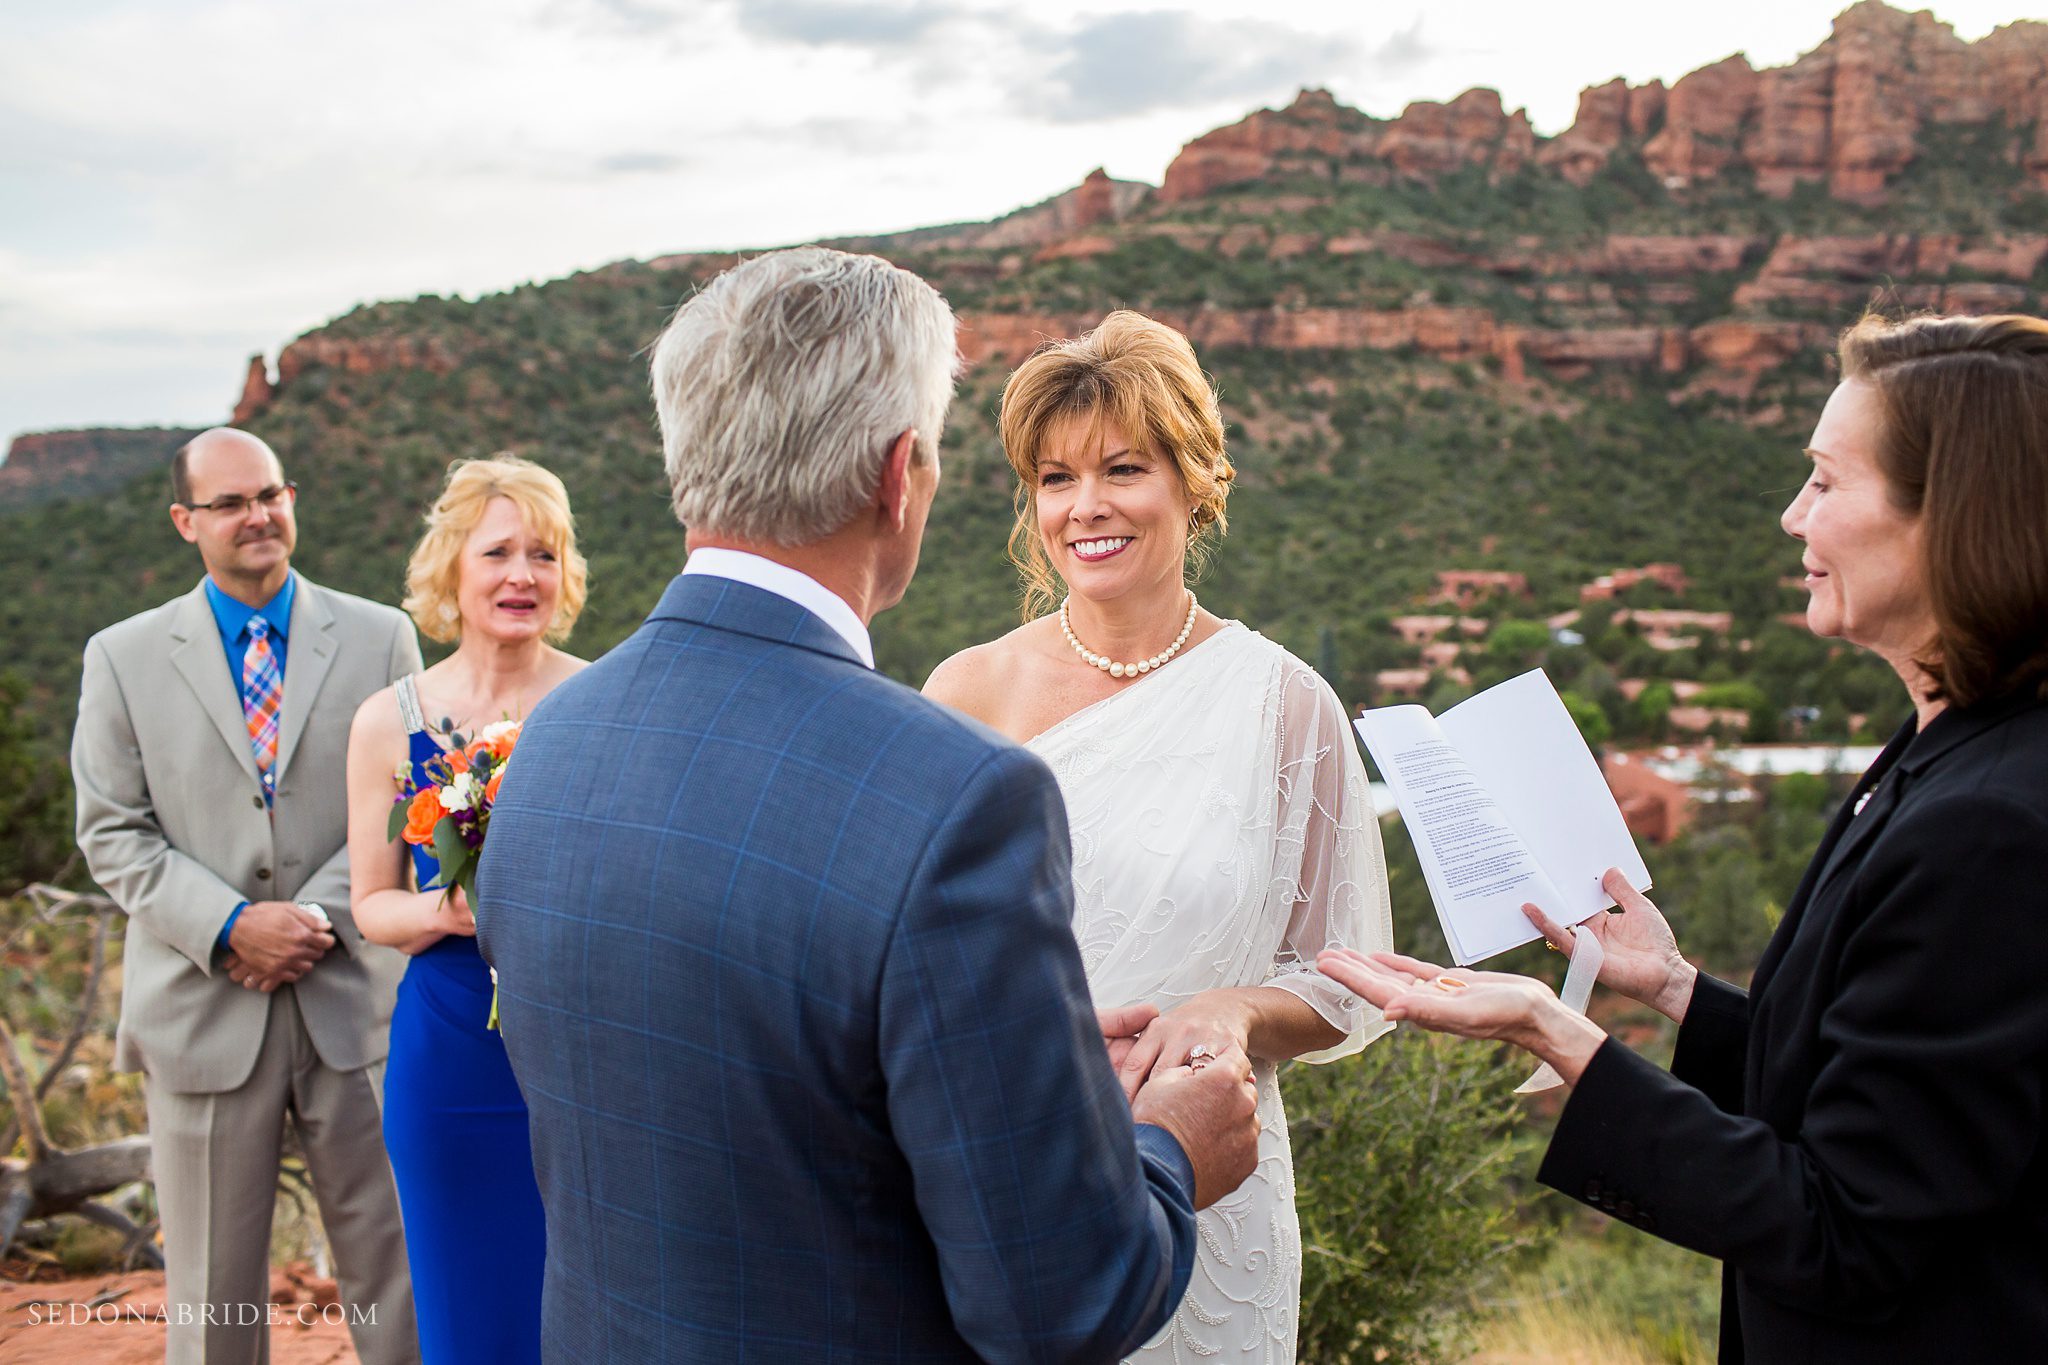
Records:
x=1096, y=201
x=1646, y=108
x=37, y=458
x=1847, y=114
x=1983, y=296
x=1076, y=248
x=1581, y=151
x=1431, y=139
x=1873, y=118
x=1704, y=116
x=1733, y=354
x=1672, y=257
x=256, y=393
x=363, y=355
x=1314, y=126
x=1599, y=346
x=71, y=462
x=2012, y=258
x=1846, y=258
x=1788, y=136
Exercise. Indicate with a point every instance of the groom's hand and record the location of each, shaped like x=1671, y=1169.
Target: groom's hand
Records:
x=1211, y=1111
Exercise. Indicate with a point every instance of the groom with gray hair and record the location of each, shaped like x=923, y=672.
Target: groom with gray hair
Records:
x=783, y=949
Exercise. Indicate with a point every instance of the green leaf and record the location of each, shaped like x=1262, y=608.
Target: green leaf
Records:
x=395, y=826
x=449, y=851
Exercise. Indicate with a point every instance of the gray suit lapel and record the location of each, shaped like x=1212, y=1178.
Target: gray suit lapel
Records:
x=197, y=655
x=310, y=654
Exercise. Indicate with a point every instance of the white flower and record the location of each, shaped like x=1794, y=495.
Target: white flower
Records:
x=497, y=730
x=460, y=794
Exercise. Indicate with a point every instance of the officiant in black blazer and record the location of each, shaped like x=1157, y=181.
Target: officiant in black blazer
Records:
x=1860, y=1137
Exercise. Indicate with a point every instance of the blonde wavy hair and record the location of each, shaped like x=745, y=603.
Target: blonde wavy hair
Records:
x=434, y=571
x=1141, y=378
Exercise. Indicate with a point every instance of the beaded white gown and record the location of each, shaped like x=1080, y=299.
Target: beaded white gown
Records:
x=1223, y=835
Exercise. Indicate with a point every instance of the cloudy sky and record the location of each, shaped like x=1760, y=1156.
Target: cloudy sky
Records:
x=186, y=182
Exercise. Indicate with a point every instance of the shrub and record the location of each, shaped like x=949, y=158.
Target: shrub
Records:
x=1401, y=1165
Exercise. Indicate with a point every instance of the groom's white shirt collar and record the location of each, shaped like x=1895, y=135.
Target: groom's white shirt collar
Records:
x=791, y=584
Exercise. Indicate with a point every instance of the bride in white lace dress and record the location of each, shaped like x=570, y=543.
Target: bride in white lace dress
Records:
x=1222, y=829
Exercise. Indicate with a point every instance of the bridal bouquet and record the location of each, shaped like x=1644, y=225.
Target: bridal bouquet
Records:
x=449, y=814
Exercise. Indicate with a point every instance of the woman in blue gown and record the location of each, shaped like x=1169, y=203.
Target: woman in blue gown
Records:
x=497, y=573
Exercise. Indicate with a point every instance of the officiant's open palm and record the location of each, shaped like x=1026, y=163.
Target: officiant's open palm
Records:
x=1642, y=959
x=1441, y=999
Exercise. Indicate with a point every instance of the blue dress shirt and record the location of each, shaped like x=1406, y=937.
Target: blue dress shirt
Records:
x=233, y=619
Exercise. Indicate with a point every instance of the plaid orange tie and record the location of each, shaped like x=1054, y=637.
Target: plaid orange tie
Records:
x=262, y=695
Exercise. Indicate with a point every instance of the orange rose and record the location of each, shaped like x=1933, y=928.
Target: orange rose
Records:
x=501, y=747
x=458, y=761
x=421, y=816
x=491, y=787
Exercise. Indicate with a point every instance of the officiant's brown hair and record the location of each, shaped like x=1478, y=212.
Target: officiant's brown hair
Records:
x=1141, y=378
x=1965, y=449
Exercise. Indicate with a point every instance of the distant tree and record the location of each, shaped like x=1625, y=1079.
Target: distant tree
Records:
x=1444, y=695
x=1591, y=720
x=1653, y=708
x=35, y=797
x=1517, y=644
x=1326, y=656
x=1803, y=793
x=1734, y=696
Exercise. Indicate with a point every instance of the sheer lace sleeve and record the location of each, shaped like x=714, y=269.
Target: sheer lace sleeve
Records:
x=1329, y=873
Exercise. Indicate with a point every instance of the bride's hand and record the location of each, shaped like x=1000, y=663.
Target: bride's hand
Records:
x=1211, y=1020
x=1642, y=959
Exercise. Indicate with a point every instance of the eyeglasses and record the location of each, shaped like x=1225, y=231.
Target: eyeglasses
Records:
x=235, y=504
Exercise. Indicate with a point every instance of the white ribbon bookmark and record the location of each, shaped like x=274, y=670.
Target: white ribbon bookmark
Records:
x=1587, y=955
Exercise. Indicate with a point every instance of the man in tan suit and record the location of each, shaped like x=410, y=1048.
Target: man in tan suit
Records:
x=209, y=760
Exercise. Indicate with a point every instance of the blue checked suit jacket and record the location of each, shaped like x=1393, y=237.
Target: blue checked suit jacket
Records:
x=787, y=976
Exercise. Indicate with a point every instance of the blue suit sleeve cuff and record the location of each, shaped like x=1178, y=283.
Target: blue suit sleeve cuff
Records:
x=220, y=942
x=1159, y=1149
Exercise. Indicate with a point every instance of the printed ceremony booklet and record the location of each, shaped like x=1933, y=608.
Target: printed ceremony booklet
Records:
x=1505, y=804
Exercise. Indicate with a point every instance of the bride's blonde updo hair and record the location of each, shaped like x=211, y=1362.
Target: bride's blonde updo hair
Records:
x=1139, y=377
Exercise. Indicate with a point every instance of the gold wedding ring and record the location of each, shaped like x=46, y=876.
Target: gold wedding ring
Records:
x=1199, y=1056
x=1450, y=983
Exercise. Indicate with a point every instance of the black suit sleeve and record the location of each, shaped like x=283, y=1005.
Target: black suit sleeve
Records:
x=1927, y=1110
x=1713, y=1042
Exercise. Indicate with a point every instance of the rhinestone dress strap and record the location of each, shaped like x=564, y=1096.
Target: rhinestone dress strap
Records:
x=408, y=690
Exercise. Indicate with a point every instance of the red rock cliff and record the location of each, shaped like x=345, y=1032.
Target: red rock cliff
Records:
x=1850, y=115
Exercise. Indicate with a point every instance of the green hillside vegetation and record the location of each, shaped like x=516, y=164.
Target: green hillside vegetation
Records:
x=1361, y=475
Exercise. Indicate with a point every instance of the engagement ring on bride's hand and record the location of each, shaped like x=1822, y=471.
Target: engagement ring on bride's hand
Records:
x=1200, y=1055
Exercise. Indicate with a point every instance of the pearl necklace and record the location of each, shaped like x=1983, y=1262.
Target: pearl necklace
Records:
x=1118, y=670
